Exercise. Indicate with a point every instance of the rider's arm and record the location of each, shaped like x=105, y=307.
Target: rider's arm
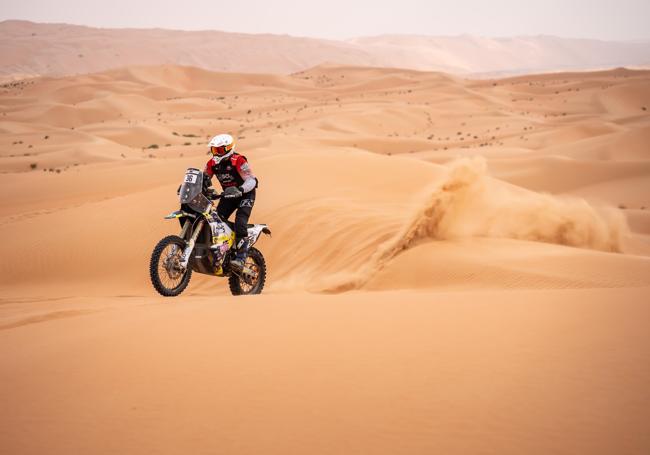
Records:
x=208, y=168
x=246, y=173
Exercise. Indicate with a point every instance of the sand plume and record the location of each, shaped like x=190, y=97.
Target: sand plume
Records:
x=467, y=203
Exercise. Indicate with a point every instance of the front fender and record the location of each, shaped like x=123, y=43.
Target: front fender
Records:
x=179, y=214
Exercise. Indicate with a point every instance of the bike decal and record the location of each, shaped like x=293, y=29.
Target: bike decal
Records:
x=190, y=178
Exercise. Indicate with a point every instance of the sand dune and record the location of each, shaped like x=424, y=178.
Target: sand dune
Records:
x=456, y=265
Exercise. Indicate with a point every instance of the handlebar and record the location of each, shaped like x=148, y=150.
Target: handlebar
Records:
x=213, y=196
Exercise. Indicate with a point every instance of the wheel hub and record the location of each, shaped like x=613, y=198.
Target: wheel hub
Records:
x=173, y=266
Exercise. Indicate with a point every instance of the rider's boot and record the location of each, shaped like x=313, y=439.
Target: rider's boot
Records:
x=242, y=252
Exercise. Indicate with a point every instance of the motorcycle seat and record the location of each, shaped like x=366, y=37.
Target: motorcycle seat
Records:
x=231, y=225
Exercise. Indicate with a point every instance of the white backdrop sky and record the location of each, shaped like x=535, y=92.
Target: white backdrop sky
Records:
x=339, y=19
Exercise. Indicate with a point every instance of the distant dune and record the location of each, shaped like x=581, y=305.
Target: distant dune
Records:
x=31, y=49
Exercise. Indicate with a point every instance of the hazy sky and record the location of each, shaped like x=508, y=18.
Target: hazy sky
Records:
x=601, y=19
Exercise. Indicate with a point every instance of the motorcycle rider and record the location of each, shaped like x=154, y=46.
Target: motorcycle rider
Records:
x=238, y=184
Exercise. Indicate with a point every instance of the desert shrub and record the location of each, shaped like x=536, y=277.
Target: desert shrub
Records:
x=33, y=166
x=153, y=146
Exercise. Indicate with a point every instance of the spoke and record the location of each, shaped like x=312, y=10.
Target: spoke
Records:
x=169, y=276
x=248, y=284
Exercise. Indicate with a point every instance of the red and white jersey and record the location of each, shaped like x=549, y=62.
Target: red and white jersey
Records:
x=232, y=171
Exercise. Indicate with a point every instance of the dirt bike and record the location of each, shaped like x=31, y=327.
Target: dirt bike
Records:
x=204, y=245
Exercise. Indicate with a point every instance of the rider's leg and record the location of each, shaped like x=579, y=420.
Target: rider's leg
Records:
x=226, y=207
x=242, y=242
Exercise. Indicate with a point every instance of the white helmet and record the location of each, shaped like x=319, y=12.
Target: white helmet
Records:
x=221, y=146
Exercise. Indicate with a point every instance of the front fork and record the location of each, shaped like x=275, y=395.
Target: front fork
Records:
x=185, y=258
x=186, y=226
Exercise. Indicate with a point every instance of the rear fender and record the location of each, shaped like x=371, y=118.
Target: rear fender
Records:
x=256, y=230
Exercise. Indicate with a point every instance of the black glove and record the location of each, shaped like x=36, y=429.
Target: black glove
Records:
x=207, y=181
x=211, y=194
x=232, y=192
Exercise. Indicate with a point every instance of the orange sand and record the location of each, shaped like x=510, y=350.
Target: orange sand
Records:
x=456, y=266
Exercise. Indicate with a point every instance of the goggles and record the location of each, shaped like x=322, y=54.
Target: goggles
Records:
x=221, y=150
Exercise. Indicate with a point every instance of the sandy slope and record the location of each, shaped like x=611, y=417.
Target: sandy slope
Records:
x=32, y=49
x=476, y=256
x=496, y=373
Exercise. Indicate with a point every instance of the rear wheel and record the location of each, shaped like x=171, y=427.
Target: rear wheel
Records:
x=251, y=280
x=167, y=275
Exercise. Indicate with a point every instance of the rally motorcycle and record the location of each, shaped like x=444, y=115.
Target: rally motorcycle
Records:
x=204, y=245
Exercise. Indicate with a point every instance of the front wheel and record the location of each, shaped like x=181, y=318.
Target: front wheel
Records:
x=167, y=275
x=252, y=280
